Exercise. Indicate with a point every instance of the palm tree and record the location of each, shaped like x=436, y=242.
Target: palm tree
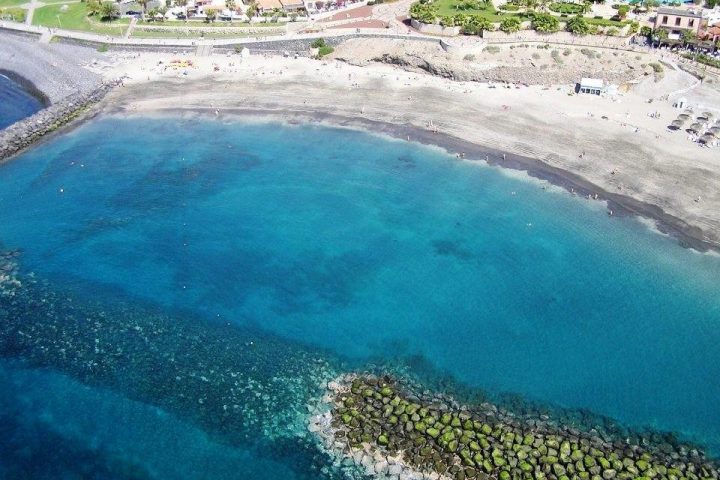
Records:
x=251, y=10
x=108, y=11
x=210, y=14
x=660, y=35
x=230, y=4
x=144, y=4
x=586, y=7
x=688, y=36
x=94, y=7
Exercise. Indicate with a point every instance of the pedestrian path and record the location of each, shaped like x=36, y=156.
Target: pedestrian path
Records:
x=204, y=50
x=130, y=28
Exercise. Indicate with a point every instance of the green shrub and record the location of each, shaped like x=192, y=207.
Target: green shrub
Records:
x=704, y=59
x=545, y=23
x=13, y=14
x=566, y=7
x=577, y=26
x=318, y=43
x=509, y=7
x=556, y=56
x=103, y=48
x=589, y=53
x=492, y=49
x=325, y=50
x=604, y=22
x=657, y=68
x=469, y=57
x=536, y=56
x=567, y=52
x=510, y=24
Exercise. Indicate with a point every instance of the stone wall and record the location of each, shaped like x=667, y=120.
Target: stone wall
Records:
x=24, y=133
x=434, y=29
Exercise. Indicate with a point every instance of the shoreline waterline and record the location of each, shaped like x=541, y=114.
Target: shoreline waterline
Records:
x=619, y=205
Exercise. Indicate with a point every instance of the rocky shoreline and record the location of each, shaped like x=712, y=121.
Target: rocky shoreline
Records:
x=389, y=431
x=26, y=132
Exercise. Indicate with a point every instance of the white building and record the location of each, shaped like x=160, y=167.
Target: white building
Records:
x=593, y=86
x=712, y=16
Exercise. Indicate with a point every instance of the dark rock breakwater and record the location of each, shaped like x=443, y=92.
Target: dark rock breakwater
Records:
x=390, y=431
x=25, y=133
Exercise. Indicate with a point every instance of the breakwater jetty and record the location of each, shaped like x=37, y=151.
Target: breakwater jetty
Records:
x=387, y=431
x=24, y=133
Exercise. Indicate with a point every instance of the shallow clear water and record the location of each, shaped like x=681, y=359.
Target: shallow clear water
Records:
x=16, y=103
x=371, y=249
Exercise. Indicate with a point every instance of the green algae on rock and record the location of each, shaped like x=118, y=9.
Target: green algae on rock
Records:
x=382, y=426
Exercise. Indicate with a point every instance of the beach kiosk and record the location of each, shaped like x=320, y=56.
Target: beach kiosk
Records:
x=593, y=86
x=680, y=103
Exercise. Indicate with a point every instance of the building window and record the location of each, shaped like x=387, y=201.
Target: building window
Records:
x=664, y=21
x=691, y=23
x=677, y=21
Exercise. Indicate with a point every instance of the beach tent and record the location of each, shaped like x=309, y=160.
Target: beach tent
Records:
x=707, y=139
x=677, y=124
x=681, y=103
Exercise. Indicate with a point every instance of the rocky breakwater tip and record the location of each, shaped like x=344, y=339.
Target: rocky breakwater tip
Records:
x=389, y=432
x=25, y=133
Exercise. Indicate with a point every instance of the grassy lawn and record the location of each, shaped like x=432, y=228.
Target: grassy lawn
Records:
x=486, y=10
x=75, y=18
x=13, y=13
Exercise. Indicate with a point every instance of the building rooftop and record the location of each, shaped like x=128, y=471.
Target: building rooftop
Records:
x=591, y=83
x=678, y=12
x=269, y=4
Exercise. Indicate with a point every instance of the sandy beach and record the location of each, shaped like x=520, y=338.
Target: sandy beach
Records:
x=590, y=145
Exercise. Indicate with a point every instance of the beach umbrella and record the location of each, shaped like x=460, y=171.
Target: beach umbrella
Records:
x=707, y=115
x=707, y=138
x=676, y=124
x=715, y=131
x=695, y=127
x=683, y=116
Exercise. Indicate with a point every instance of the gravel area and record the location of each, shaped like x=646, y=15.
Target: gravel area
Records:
x=54, y=69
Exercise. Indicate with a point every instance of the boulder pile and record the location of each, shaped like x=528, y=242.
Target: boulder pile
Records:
x=24, y=133
x=378, y=424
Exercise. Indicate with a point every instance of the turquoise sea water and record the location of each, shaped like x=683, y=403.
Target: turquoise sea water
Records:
x=15, y=102
x=335, y=245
